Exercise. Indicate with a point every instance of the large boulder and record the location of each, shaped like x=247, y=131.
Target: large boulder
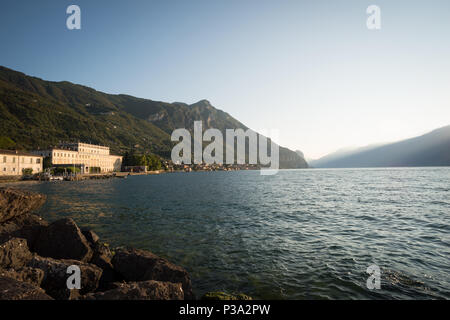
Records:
x=15, y=202
x=145, y=290
x=26, y=226
x=102, y=258
x=24, y=274
x=141, y=265
x=90, y=236
x=63, y=239
x=14, y=253
x=55, y=277
x=11, y=289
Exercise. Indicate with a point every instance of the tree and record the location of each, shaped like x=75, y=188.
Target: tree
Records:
x=127, y=159
x=153, y=162
x=142, y=160
x=6, y=143
x=27, y=171
x=73, y=170
x=47, y=162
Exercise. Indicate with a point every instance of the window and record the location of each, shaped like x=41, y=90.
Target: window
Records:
x=4, y=160
x=38, y=161
x=4, y=169
x=14, y=159
x=14, y=169
x=31, y=160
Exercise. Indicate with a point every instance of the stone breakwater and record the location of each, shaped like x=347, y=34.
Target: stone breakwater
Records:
x=35, y=256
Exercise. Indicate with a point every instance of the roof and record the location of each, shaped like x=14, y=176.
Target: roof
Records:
x=69, y=150
x=18, y=153
x=58, y=149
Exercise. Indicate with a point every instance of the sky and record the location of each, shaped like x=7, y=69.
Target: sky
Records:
x=310, y=69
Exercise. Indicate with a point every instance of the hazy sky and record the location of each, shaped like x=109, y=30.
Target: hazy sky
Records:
x=311, y=69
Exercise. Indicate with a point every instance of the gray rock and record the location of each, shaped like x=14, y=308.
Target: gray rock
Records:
x=90, y=236
x=145, y=290
x=15, y=202
x=141, y=265
x=102, y=258
x=26, y=226
x=14, y=253
x=55, y=277
x=11, y=289
x=63, y=239
x=24, y=274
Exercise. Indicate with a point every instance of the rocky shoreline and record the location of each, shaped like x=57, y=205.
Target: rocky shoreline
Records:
x=35, y=256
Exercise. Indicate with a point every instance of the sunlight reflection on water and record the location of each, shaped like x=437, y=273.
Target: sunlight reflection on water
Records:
x=298, y=234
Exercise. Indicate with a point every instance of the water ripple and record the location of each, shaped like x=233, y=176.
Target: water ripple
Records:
x=301, y=234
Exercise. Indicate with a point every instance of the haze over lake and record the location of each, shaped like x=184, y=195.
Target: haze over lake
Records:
x=295, y=235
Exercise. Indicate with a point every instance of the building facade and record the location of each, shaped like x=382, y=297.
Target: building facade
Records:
x=14, y=163
x=88, y=158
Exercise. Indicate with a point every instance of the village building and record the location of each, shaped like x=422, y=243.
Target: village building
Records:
x=16, y=163
x=88, y=158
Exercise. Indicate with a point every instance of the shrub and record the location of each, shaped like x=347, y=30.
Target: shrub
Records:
x=27, y=171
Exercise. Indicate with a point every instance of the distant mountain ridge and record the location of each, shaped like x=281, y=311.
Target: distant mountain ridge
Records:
x=36, y=114
x=431, y=149
x=341, y=153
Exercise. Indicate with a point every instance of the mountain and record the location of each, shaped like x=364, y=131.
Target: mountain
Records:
x=431, y=149
x=341, y=153
x=37, y=114
x=300, y=153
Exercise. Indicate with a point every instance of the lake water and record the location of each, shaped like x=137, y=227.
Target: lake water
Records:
x=300, y=234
